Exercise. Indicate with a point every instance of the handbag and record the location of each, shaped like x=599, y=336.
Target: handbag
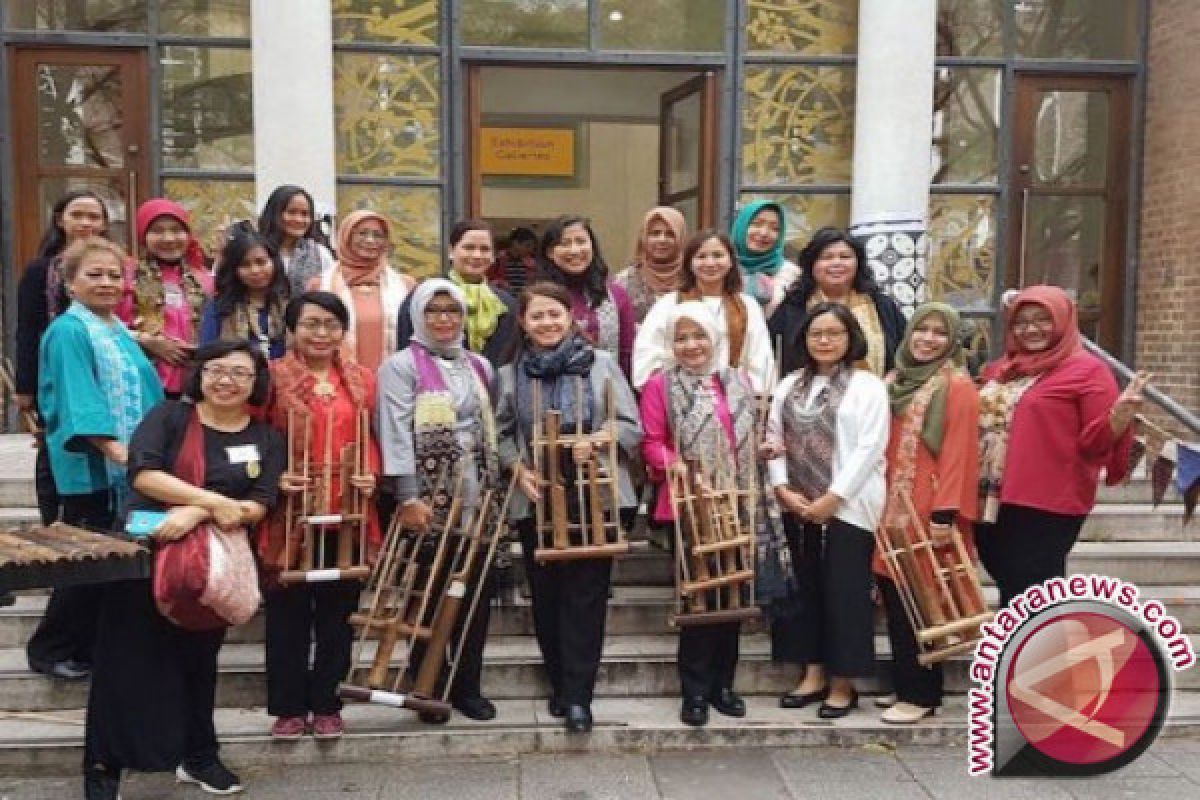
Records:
x=207, y=579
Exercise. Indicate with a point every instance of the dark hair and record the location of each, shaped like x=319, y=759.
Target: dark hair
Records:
x=74, y=255
x=864, y=281
x=55, y=238
x=270, y=222
x=326, y=301
x=523, y=234
x=554, y=291
x=220, y=349
x=465, y=226
x=733, y=279
x=229, y=290
x=856, y=348
x=595, y=280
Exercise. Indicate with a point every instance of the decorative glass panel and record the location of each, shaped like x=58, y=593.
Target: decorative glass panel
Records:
x=806, y=213
x=213, y=206
x=970, y=28
x=79, y=115
x=962, y=250
x=228, y=18
x=1064, y=243
x=1071, y=139
x=798, y=124
x=388, y=114
x=639, y=24
x=1076, y=28
x=390, y=21
x=415, y=214
x=106, y=16
x=814, y=27
x=525, y=23
x=207, y=108
x=977, y=339
x=966, y=103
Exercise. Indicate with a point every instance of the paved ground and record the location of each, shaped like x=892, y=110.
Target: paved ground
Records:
x=1171, y=769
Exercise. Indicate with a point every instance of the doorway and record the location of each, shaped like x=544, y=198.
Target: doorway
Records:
x=606, y=143
x=80, y=120
x=1070, y=182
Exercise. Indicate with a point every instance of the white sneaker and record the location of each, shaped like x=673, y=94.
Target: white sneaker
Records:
x=886, y=700
x=906, y=714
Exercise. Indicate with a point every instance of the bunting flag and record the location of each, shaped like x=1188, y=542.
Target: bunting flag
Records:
x=1187, y=477
x=1167, y=457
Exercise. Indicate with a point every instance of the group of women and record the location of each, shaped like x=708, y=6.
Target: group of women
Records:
x=163, y=388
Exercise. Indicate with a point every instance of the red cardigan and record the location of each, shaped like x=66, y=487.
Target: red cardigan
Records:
x=1061, y=438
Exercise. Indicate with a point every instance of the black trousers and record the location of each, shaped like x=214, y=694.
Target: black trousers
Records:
x=835, y=626
x=1026, y=546
x=707, y=657
x=48, y=500
x=912, y=683
x=68, y=628
x=570, y=606
x=297, y=618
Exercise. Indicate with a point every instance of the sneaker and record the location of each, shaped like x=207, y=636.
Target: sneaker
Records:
x=289, y=728
x=906, y=714
x=328, y=726
x=214, y=778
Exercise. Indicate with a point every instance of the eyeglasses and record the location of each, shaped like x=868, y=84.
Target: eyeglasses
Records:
x=830, y=336
x=452, y=312
x=1023, y=323
x=314, y=325
x=369, y=234
x=235, y=374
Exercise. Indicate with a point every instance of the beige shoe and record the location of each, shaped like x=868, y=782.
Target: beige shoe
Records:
x=886, y=700
x=906, y=714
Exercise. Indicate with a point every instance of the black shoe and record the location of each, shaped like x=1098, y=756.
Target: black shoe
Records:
x=100, y=784
x=827, y=711
x=793, y=700
x=555, y=706
x=727, y=702
x=578, y=719
x=68, y=670
x=214, y=778
x=694, y=712
x=477, y=708
x=433, y=718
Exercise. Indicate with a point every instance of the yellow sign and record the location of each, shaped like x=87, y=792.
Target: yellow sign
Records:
x=543, y=152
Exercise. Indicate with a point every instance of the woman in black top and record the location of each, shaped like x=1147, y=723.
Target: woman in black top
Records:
x=153, y=683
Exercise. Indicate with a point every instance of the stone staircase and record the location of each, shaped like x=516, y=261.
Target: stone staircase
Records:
x=637, y=705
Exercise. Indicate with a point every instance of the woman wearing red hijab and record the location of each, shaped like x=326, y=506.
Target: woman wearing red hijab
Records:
x=1050, y=420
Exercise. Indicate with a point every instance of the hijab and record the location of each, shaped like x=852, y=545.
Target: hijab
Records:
x=157, y=207
x=1065, y=339
x=421, y=297
x=699, y=313
x=663, y=275
x=911, y=374
x=356, y=269
x=753, y=263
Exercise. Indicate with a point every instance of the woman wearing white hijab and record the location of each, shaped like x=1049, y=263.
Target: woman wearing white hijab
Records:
x=434, y=420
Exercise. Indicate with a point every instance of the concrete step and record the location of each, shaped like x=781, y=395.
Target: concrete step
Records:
x=1117, y=522
x=52, y=742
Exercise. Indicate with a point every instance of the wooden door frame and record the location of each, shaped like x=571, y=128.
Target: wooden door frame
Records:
x=1119, y=88
x=706, y=86
x=135, y=121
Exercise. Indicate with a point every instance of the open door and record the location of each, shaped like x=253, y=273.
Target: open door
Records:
x=687, y=149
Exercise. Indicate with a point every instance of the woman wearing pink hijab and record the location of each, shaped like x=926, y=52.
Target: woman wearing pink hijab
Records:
x=370, y=289
x=657, y=266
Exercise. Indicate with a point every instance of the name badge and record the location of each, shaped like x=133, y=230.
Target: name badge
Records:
x=172, y=295
x=243, y=454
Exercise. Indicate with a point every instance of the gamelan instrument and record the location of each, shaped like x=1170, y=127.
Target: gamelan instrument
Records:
x=424, y=592
x=8, y=382
x=594, y=497
x=63, y=555
x=714, y=546
x=323, y=540
x=937, y=582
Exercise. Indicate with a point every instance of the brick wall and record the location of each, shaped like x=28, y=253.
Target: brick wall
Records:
x=1168, y=280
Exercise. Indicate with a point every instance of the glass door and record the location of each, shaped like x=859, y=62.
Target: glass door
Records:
x=1070, y=185
x=687, y=149
x=79, y=121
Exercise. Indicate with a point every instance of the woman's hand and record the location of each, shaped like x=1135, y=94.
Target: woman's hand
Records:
x=582, y=450
x=167, y=348
x=770, y=450
x=529, y=483
x=820, y=510
x=365, y=483
x=791, y=500
x=415, y=515
x=111, y=449
x=225, y=512
x=292, y=484
x=1128, y=404
x=180, y=521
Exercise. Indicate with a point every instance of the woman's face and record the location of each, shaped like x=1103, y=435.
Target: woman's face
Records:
x=369, y=240
x=661, y=241
x=835, y=268
x=297, y=216
x=692, y=347
x=546, y=321
x=83, y=217
x=573, y=253
x=257, y=270
x=98, y=283
x=710, y=265
x=1033, y=327
x=827, y=340
x=167, y=239
x=763, y=232
x=930, y=339
x=318, y=333
x=227, y=381
x=444, y=318
x=473, y=255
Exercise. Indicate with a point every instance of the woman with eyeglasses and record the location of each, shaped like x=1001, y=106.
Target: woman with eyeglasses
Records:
x=1051, y=418
x=251, y=294
x=435, y=424
x=368, y=286
x=314, y=382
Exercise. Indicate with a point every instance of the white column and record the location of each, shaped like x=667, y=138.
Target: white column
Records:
x=293, y=98
x=892, y=132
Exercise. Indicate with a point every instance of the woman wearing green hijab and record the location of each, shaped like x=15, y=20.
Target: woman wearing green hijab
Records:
x=759, y=235
x=932, y=456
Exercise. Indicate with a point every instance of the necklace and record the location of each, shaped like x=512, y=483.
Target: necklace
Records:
x=323, y=388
